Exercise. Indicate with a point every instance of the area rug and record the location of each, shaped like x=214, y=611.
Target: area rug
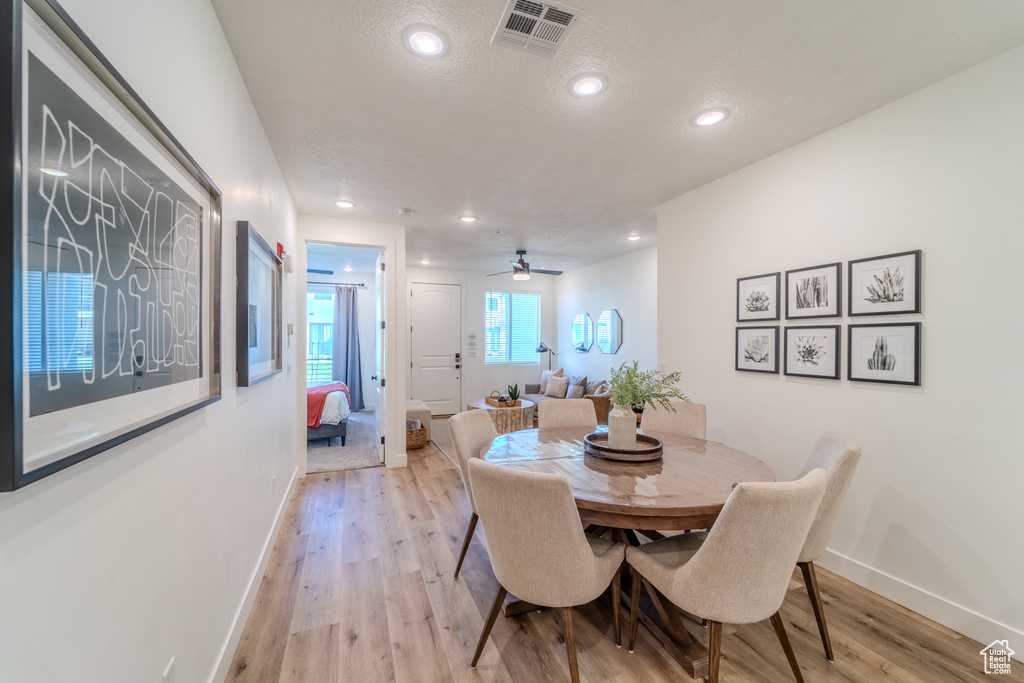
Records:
x=359, y=451
x=441, y=435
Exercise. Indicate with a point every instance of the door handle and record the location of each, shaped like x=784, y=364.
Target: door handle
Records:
x=374, y=377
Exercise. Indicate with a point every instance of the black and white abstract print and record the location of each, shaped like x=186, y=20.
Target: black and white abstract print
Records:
x=113, y=268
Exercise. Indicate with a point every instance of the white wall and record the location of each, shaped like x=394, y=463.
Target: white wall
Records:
x=478, y=378
x=147, y=551
x=391, y=239
x=366, y=304
x=935, y=514
x=628, y=284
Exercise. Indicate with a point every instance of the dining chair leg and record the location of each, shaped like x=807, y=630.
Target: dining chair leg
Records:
x=617, y=606
x=570, y=644
x=811, y=582
x=634, y=607
x=495, y=608
x=780, y=631
x=465, y=543
x=714, y=650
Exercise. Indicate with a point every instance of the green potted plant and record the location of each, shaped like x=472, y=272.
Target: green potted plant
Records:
x=630, y=389
x=513, y=393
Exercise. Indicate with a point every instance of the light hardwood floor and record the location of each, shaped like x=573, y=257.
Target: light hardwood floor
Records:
x=359, y=588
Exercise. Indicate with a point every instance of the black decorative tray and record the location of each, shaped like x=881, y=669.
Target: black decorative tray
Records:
x=647, y=448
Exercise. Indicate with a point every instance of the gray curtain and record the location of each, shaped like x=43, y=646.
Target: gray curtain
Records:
x=346, y=366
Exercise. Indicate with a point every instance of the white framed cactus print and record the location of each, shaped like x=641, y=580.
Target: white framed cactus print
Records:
x=885, y=285
x=890, y=354
x=812, y=351
x=757, y=349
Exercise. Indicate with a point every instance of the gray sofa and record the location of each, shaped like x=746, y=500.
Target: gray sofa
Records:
x=601, y=399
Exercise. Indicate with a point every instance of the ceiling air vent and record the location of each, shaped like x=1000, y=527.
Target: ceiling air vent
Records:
x=539, y=28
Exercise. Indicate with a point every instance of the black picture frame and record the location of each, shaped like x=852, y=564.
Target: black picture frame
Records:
x=815, y=292
x=257, y=288
x=72, y=386
x=757, y=352
x=872, y=284
x=755, y=291
x=871, y=360
x=812, y=351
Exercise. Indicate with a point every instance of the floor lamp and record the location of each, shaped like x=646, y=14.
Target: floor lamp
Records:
x=543, y=348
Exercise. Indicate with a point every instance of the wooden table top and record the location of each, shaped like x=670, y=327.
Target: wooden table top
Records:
x=685, y=489
x=482, y=404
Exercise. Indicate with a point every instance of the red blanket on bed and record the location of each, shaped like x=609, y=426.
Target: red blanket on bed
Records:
x=317, y=396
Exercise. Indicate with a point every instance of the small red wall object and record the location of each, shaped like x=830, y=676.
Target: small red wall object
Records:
x=280, y=250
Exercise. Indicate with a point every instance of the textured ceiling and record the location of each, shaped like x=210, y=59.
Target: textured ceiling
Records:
x=484, y=130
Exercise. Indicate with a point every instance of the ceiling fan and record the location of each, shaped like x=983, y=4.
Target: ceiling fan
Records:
x=521, y=269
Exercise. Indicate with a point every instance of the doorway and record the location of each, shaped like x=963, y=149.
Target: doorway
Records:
x=435, y=347
x=342, y=291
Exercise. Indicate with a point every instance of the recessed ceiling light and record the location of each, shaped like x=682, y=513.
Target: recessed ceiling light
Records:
x=425, y=41
x=348, y=269
x=54, y=172
x=633, y=238
x=344, y=204
x=405, y=212
x=711, y=117
x=467, y=219
x=587, y=85
x=425, y=262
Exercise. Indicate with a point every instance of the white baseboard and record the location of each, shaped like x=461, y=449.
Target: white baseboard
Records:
x=227, y=653
x=953, y=616
x=397, y=460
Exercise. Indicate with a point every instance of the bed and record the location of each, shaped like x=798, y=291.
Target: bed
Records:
x=327, y=411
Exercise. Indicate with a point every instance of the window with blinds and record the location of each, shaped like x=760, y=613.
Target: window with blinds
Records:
x=511, y=327
x=60, y=321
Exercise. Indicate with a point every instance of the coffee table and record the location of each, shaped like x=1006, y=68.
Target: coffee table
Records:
x=506, y=419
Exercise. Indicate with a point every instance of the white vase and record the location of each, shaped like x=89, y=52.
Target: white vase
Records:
x=622, y=427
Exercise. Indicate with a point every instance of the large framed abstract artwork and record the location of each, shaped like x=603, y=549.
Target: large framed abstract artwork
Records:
x=111, y=272
x=257, y=307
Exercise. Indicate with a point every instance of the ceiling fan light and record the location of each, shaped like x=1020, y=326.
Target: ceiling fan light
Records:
x=520, y=275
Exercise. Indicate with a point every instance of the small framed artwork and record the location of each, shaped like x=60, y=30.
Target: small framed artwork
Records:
x=110, y=326
x=814, y=292
x=757, y=349
x=885, y=353
x=886, y=285
x=258, y=307
x=812, y=351
x=757, y=298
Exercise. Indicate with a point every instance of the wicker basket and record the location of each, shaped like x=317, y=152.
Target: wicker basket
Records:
x=415, y=438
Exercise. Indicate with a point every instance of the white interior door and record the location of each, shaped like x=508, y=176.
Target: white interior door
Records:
x=435, y=345
x=380, y=411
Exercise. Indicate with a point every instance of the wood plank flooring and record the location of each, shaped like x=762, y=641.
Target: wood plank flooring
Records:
x=359, y=588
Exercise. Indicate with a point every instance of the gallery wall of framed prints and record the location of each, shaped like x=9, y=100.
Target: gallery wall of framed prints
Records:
x=888, y=353
x=111, y=294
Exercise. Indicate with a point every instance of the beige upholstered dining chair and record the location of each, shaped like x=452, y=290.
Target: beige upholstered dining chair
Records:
x=689, y=419
x=570, y=412
x=472, y=431
x=838, y=456
x=739, y=570
x=538, y=548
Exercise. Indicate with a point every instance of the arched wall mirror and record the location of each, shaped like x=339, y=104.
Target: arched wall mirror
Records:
x=609, y=331
x=582, y=333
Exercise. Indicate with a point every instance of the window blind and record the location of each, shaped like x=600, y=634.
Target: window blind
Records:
x=511, y=327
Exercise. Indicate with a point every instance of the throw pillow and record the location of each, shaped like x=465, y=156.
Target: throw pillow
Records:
x=577, y=385
x=596, y=387
x=545, y=375
x=557, y=387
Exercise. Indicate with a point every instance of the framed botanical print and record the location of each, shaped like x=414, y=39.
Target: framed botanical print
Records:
x=757, y=349
x=886, y=285
x=812, y=351
x=814, y=292
x=111, y=300
x=757, y=298
x=890, y=354
x=257, y=307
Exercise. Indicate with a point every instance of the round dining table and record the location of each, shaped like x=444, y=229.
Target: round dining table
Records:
x=684, y=489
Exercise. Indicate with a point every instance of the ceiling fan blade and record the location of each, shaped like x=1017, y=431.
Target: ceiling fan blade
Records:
x=504, y=272
x=518, y=265
x=545, y=272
